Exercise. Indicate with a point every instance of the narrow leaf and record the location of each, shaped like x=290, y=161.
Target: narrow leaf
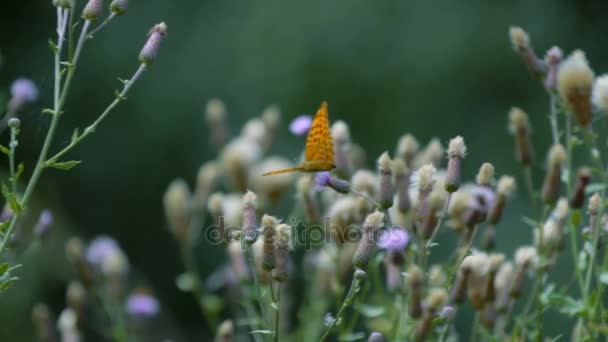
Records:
x=68, y=165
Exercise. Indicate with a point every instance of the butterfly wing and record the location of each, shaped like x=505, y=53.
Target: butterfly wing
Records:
x=319, y=144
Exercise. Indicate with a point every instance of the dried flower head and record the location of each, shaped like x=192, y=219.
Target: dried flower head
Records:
x=521, y=44
x=437, y=276
x=433, y=154
x=526, y=257
x=269, y=227
x=520, y=128
x=551, y=185
x=456, y=152
x=386, y=195
x=407, y=148
x=574, y=84
x=553, y=59
x=426, y=178
x=485, y=176
x=281, y=272
x=250, y=229
x=367, y=244
x=177, y=209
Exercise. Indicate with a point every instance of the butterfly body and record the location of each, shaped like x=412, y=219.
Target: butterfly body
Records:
x=319, y=154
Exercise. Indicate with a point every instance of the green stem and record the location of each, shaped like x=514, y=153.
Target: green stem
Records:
x=553, y=120
x=247, y=248
x=575, y=252
x=13, y=147
x=197, y=289
x=102, y=25
x=355, y=287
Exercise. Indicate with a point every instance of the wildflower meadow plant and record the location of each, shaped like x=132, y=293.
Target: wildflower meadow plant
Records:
x=76, y=26
x=328, y=250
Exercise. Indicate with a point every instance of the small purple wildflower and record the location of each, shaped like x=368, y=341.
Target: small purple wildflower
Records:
x=448, y=312
x=24, y=89
x=322, y=180
x=485, y=197
x=141, y=304
x=44, y=223
x=394, y=239
x=300, y=125
x=100, y=249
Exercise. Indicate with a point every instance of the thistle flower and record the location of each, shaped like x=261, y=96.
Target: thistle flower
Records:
x=402, y=185
x=281, y=272
x=43, y=226
x=456, y=152
x=300, y=125
x=504, y=189
x=119, y=7
x=149, y=53
x=415, y=279
x=340, y=134
x=553, y=58
x=583, y=178
x=269, y=226
x=502, y=286
x=525, y=258
x=551, y=185
x=93, y=10
x=437, y=276
x=521, y=44
x=250, y=229
x=215, y=117
x=176, y=201
x=225, y=332
x=479, y=265
x=600, y=93
x=520, y=128
x=76, y=297
x=324, y=179
x=407, y=148
x=394, y=239
x=367, y=244
x=142, y=304
x=485, y=176
x=426, y=180
x=23, y=91
x=433, y=154
x=574, y=84
x=386, y=194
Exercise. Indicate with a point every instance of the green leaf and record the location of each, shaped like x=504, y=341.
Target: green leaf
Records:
x=68, y=165
x=3, y=268
x=262, y=332
x=53, y=47
x=566, y=305
x=19, y=172
x=370, y=311
x=7, y=283
x=274, y=306
x=582, y=261
x=186, y=282
x=11, y=199
x=530, y=222
x=604, y=278
x=352, y=337
x=5, y=150
x=48, y=111
x=595, y=187
x=75, y=135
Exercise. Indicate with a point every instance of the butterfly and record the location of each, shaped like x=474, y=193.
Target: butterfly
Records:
x=319, y=154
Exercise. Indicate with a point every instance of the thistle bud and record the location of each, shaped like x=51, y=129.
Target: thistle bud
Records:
x=67, y=324
x=476, y=284
x=75, y=253
x=433, y=154
x=324, y=179
x=238, y=158
x=93, y=10
x=551, y=185
x=225, y=332
x=521, y=44
x=583, y=178
x=206, y=179
x=365, y=182
x=436, y=299
x=367, y=244
x=426, y=180
x=456, y=152
x=574, y=84
x=600, y=93
x=43, y=320
x=502, y=286
x=415, y=281
x=593, y=210
x=459, y=289
x=177, y=210
x=149, y=52
x=76, y=297
x=342, y=146
x=494, y=263
x=215, y=117
x=281, y=272
x=525, y=258
x=553, y=58
x=269, y=225
x=402, y=184
x=437, y=277
x=485, y=176
x=504, y=189
x=119, y=7
x=430, y=215
x=386, y=194
x=520, y=128
x=376, y=337
x=250, y=229
x=407, y=148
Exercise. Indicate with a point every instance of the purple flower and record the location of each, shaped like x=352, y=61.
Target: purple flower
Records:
x=300, y=125
x=394, y=239
x=141, y=304
x=485, y=197
x=24, y=89
x=100, y=249
x=322, y=180
x=44, y=223
x=447, y=312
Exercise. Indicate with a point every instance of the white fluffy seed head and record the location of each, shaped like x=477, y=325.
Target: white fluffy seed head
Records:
x=436, y=298
x=283, y=235
x=506, y=185
x=374, y=220
x=503, y=278
x=526, y=256
x=557, y=155
x=575, y=80
x=562, y=209
x=407, y=147
x=495, y=260
x=600, y=93
x=426, y=177
x=457, y=148
x=519, y=37
x=249, y=200
x=384, y=162
x=485, y=174
x=595, y=203
x=340, y=132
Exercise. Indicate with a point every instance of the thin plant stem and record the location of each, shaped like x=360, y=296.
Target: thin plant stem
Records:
x=463, y=254
x=575, y=252
x=277, y=308
x=366, y=197
x=440, y=221
x=13, y=147
x=249, y=254
x=102, y=25
x=553, y=120
x=355, y=287
x=197, y=290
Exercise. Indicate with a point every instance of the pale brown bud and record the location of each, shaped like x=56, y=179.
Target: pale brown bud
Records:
x=520, y=128
x=583, y=178
x=552, y=183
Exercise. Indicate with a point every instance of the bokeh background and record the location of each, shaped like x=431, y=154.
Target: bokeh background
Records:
x=433, y=68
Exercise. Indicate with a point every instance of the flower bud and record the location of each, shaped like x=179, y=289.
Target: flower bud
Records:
x=14, y=123
x=250, y=229
x=520, y=128
x=43, y=320
x=76, y=297
x=402, y=184
x=551, y=185
x=525, y=258
x=574, y=84
x=407, y=148
x=426, y=180
x=593, y=209
x=502, y=286
x=436, y=299
x=367, y=244
x=93, y=10
x=504, y=189
x=456, y=152
x=149, y=52
x=415, y=281
x=23, y=91
x=269, y=225
x=476, y=284
x=119, y=7
x=177, y=210
x=386, y=194
x=215, y=117
x=553, y=58
x=521, y=44
x=324, y=179
x=600, y=93
x=485, y=175
x=43, y=226
x=74, y=250
x=225, y=332
x=583, y=178
x=281, y=272
x=433, y=154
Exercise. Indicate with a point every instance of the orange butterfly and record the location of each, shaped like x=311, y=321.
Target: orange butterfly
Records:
x=319, y=155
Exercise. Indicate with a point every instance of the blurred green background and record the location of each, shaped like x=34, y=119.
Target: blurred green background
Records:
x=433, y=68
